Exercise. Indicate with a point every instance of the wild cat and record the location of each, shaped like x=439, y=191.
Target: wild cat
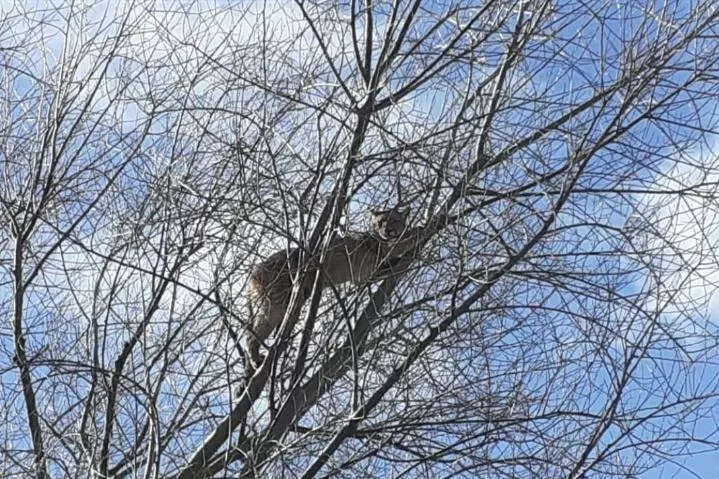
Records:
x=353, y=258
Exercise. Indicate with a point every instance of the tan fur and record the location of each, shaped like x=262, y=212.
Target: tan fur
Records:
x=352, y=258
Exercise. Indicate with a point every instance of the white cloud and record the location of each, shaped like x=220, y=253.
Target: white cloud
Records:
x=683, y=244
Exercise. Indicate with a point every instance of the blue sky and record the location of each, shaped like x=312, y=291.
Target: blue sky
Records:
x=575, y=83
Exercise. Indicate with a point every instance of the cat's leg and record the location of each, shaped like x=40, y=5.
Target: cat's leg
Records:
x=258, y=309
x=266, y=318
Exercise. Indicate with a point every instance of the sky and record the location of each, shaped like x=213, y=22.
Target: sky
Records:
x=159, y=34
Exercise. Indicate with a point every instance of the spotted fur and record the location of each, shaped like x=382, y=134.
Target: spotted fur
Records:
x=353, y=258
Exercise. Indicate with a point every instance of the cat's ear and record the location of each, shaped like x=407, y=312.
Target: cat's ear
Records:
x=404, y=212
x=375, y=218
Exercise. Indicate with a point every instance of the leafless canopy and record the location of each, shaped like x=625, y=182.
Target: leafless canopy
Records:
x=555, y=321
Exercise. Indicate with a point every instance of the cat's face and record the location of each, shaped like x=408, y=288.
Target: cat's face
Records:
x=389, y=224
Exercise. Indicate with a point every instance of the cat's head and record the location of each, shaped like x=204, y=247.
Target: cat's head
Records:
x=389, y=224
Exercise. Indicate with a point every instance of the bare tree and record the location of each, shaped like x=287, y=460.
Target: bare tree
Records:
x=555, y=319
